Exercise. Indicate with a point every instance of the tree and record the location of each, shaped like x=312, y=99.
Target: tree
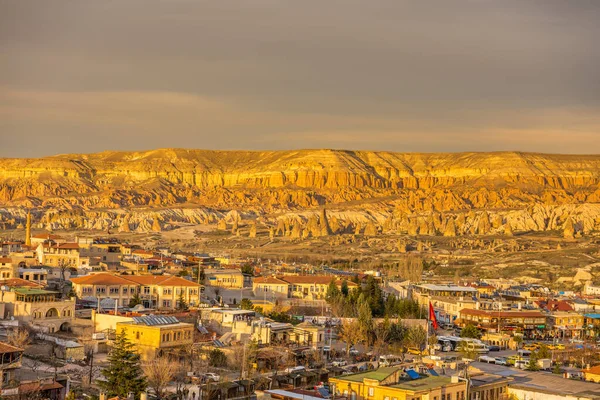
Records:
x=365, y=318
x=557, y=369
x=332, y=292
x=247, y=269
x=470, y=331
x=518, y=339
x=181, y=303
x=543, y=352
x=159, y=372
x=216, y=358
x=135, y=300
x=246, y=304
x=466, y=351
x=416, y=337
x=124, y=374
x=351, y=334
x=19, y=337
x=532, y=365
x=202, y=274
x=345, y=290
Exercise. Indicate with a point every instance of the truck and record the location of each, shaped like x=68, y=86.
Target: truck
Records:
x=545, y=364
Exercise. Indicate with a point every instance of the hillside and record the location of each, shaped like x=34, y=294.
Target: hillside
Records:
x=198, y=186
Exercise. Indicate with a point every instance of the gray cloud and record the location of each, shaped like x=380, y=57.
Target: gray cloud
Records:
x=395, y=75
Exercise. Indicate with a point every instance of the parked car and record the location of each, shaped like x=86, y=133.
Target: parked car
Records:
x=494, y=348
x=297, y=368
x=210, y=376
x=326, y=348
x=501, y=361
x=487, y=359
x=353, y=351
x=339, y=363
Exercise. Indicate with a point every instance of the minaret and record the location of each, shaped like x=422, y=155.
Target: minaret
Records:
x=28, y=230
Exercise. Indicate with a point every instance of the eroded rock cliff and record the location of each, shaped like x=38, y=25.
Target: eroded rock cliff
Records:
x=421, y=194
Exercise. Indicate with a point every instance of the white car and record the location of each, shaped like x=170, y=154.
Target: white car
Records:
x=326, y=348
x=353, y=352
x=210, y=376
x=339, y=363
x=294, y=369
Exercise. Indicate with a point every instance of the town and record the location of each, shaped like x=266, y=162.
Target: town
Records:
x=99, y=318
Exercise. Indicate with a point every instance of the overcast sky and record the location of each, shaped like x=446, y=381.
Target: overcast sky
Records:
x=443, y=75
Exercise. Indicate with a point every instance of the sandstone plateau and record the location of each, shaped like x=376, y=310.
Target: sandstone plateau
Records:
x=407, y=193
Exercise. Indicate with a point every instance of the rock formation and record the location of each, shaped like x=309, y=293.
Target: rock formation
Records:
x=405, y=193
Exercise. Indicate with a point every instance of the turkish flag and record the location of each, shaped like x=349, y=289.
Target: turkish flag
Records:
x=432, y=317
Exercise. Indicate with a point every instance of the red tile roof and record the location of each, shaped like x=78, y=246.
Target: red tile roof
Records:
x=18, y=282
x=7, y=348
x=109, y=279
x=5, y=260
x=270, y=280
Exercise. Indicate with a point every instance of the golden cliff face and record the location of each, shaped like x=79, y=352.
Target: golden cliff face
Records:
x=264, y=182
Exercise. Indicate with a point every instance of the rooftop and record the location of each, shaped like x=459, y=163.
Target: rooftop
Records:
x=424, y=383
x=377, y=375
x=447, y=288
x=32, y=291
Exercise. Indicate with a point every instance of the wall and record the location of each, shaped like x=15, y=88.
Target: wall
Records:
x=103, y=322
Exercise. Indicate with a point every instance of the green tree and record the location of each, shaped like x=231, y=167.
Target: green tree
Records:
x=365, y=319
x=532, y=365
x=332, y=292
x=543, y=352
x=416, y=337
x=181, y=303
x=247, y=269
x=470, y=331
x=246, y=304
x=124, y=373
x=202, y=275
x=557, y=369
x=217, y=359
x=345, y=290
x=135, y=300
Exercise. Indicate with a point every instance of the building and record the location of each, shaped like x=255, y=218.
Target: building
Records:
x=447, y=309
x=41, y=308
x=155, y=336
x=7, y=269
x=307, y=287
x=37, y=275
x=423, y=293
x=225, y=278
x=394, y=384
x=155, y=291
x=269, y=332
x=564, y=324
x=270, y=287
x=530, y=323
x=60, y=255
x=592, y=374
x=10, y=361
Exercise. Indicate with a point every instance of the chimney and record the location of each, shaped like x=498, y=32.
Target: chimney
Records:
x=102, y=396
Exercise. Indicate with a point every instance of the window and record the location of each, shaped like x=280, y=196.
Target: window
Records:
x=125, y=290
x=371, y=391
x=146, y=289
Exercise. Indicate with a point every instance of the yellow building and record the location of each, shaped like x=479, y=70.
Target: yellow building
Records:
x=566, y=324
x=226, y=278
x=159, y=335
x=308, y=287
x=393, y=384
x=155, y=291
x=41, y=308
x=8, y=270
x=592, y=374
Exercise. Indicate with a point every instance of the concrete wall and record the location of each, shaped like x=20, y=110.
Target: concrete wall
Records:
x=103, y=322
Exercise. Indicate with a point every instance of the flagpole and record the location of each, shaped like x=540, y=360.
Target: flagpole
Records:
x=427, y=341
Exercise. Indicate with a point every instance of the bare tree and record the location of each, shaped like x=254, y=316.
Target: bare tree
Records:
x=19, y=337
x=351, y=333
x=159, y=373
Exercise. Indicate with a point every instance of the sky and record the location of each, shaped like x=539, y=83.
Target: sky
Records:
x=83, y=76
